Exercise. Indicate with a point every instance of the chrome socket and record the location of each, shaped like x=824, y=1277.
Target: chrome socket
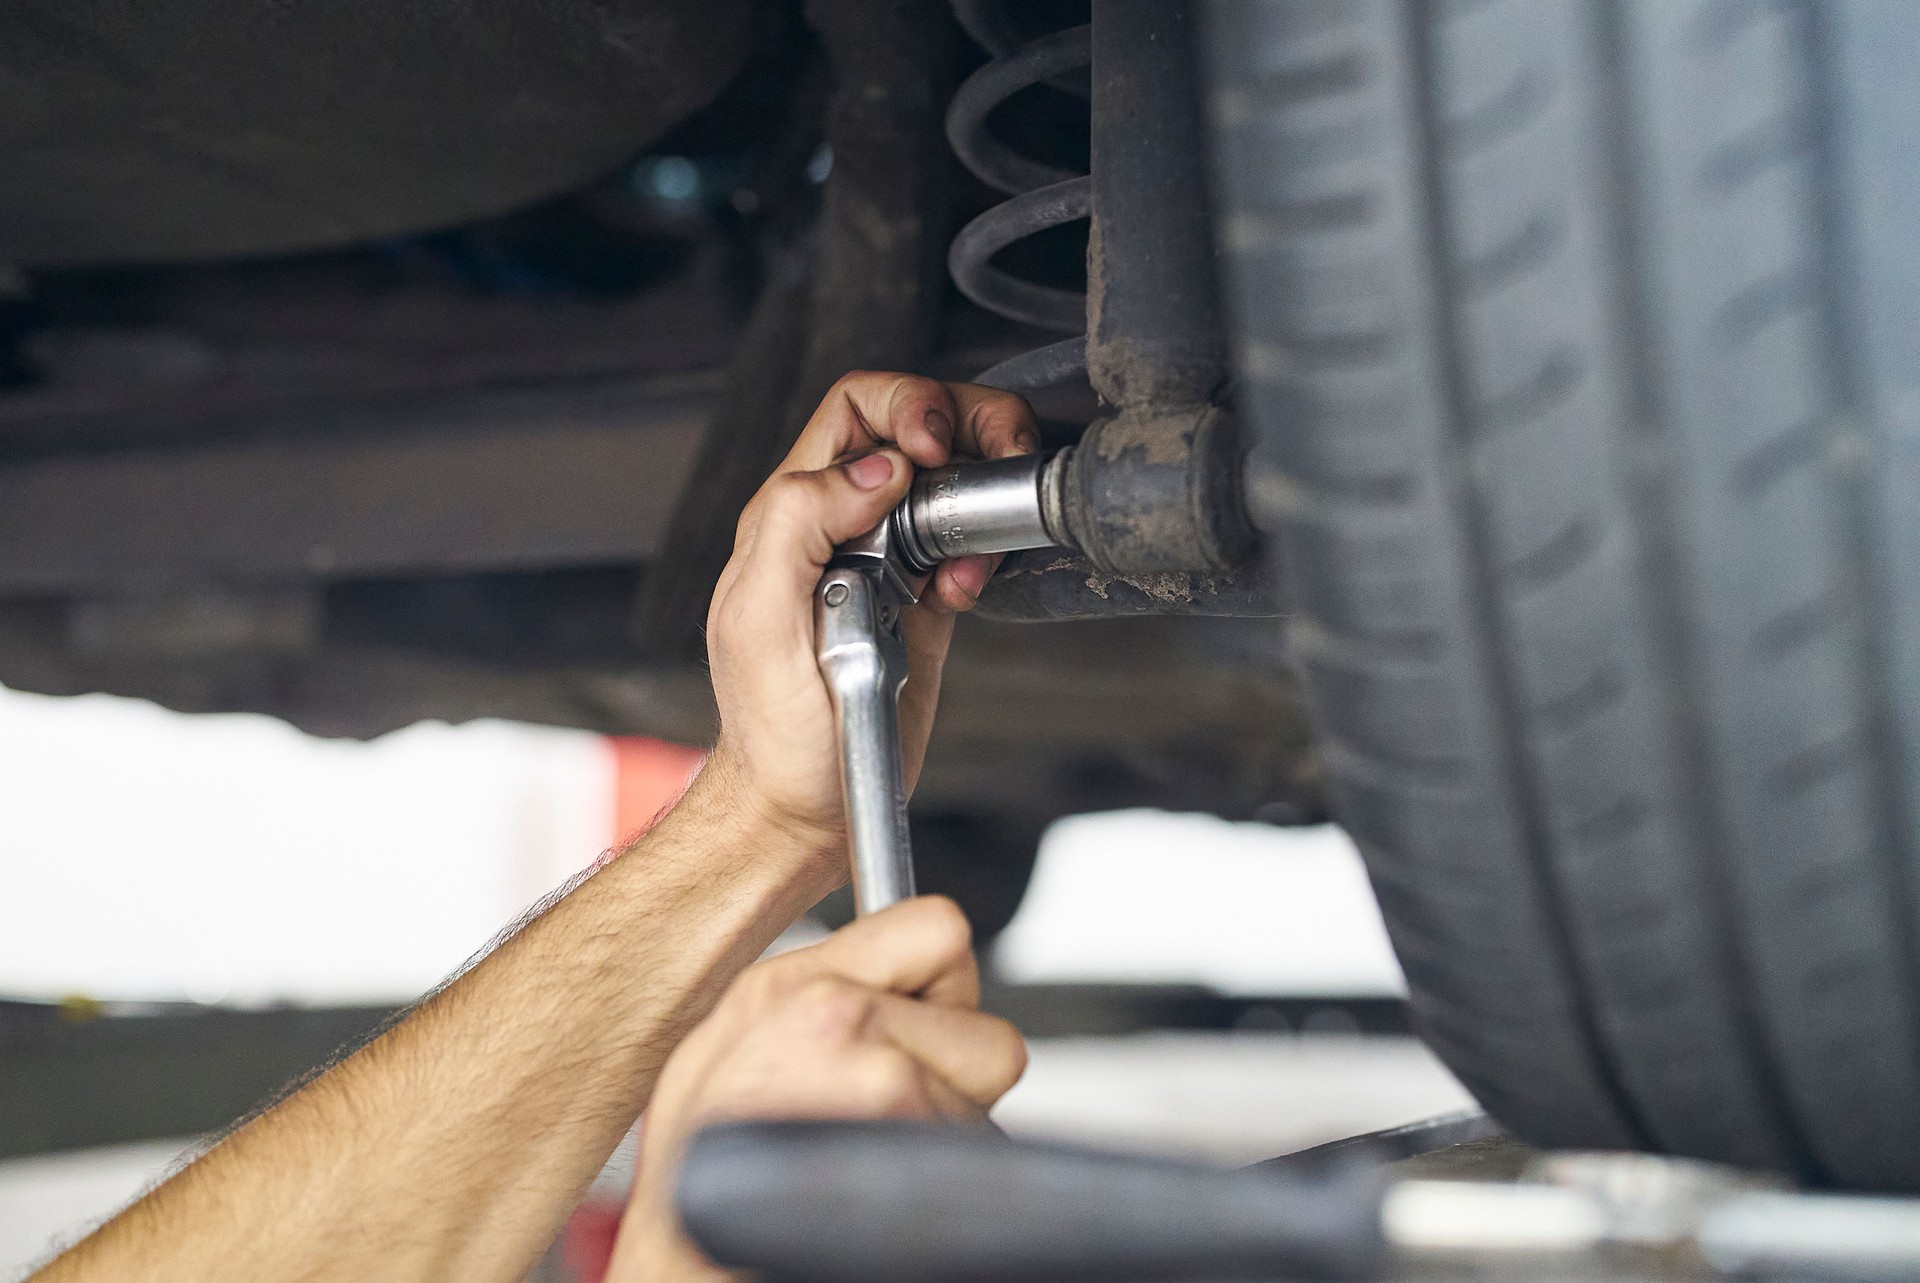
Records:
x=995, y=505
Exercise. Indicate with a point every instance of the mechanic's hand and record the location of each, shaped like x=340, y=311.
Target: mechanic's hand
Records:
x=879, y=1020
x=852, y=464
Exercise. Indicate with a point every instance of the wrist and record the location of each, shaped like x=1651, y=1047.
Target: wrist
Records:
x=729, y=778
x=738, y=822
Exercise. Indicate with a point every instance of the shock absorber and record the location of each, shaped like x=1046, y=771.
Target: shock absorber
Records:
x=1040, y=195
x=1149, y=497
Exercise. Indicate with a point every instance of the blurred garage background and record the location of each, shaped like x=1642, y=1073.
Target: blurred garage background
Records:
x=193, y=910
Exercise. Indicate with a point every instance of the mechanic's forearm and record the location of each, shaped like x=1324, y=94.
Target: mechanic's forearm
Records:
x=453, y=1146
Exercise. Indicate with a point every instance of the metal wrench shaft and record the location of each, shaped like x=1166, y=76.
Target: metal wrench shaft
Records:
x=995, y=506
x=863, y=657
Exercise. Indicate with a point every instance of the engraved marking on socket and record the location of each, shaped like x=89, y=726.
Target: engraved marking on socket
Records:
x=945, y=505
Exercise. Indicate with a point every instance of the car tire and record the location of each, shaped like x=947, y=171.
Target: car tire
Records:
x=1579, y=342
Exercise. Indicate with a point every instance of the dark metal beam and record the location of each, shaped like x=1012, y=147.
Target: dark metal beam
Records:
x=871, y=301
x=571, y=474
x=71, y=1081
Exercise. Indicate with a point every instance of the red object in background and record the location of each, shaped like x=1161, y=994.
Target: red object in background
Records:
x=586, y=1244
x=648, y=776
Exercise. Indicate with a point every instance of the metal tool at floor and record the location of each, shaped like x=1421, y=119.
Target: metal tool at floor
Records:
x=875, y=1202
x=999, y=505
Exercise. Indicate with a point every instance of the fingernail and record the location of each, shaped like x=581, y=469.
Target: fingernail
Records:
x=939, y=424
x=871, y=471
x=1027, y=441
x=971, y=574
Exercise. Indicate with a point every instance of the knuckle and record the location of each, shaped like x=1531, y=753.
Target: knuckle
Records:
x=892, y=1082
x=775, y=495
x=792, y=507
x=787, y=492
x=1009, y=1054
x=932, y=392
x=946, y=926
x=760, y=983
x=1005, y=413
x=726, y=615
x=998, y=401
x=749, y=517
x=830, y=1002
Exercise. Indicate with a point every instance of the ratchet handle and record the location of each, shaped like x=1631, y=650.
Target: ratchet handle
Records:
x=884, y=1202
x=863, y=659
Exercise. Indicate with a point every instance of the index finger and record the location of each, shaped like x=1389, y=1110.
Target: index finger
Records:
x=867, y=409
x=921, y=946
x=928, y=420
x=979, y=1055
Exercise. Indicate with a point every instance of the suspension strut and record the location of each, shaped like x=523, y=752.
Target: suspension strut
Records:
x=1041, y=195
x=1152, y=490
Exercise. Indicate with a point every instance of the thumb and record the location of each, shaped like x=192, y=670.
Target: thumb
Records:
x=873, y=471
x=802, y=515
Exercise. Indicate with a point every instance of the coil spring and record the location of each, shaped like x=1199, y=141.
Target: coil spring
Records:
x=1040, y=195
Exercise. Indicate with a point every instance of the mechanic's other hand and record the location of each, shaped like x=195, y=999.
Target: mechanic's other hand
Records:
x=852, y=464
x=879, y=1020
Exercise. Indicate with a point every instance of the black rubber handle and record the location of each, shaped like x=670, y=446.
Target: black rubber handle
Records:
x=905, y=1202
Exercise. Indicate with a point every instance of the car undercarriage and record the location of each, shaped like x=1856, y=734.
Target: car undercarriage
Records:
x=1543, y=363
x=492, y=469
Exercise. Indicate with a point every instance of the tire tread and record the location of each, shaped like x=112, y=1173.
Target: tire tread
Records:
x=1583, y=640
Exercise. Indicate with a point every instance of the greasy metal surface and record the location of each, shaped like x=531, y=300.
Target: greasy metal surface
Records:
x=1051, y=585
x=1159, y=490
x=1154, y=338
x=1042, y=367
x=1152, y=498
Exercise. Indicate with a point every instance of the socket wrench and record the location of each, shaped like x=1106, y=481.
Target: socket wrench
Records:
x=998, y=505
